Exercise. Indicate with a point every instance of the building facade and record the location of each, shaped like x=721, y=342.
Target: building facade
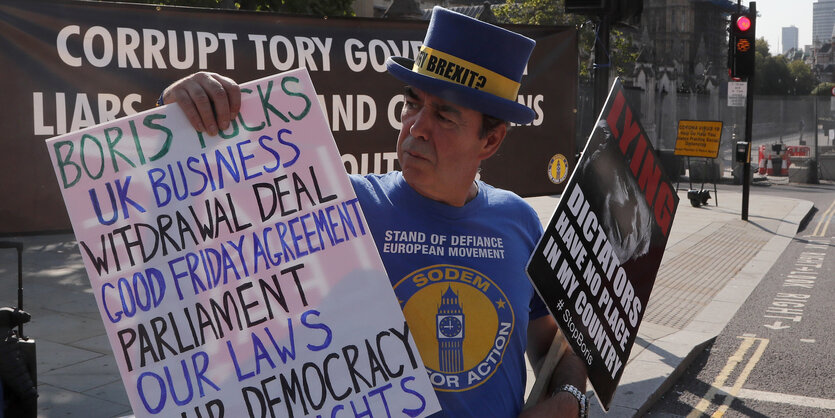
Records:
x=689, y=36
x=684, y=46
x=823, y=20
x=789, y=39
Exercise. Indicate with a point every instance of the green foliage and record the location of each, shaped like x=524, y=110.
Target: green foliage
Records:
x=804, y=79
x=762, y=47
x=773, y=77
x=536, y=12
x=823, y=89
x=308, y=7
x=213, y=4
x=623, y=53
x=777, y=76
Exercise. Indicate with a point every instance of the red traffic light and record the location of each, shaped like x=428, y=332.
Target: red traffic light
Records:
x=743, y=23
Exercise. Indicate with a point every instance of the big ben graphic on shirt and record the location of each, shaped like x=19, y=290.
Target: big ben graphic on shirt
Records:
x=450, y=320
x=461, y=322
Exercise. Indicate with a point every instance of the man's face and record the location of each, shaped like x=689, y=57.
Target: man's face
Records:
x=439, y=147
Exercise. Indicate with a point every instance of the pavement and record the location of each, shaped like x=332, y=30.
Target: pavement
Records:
x=713, y=261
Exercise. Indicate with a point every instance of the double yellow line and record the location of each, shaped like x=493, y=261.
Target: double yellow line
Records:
x=823, y=224
x=748, y=341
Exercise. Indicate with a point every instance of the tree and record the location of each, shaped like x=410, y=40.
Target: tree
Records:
x=823, y=89
x=308, y=7
x=773, y=77
x=537, y=12
x=776, y=75
x=762, y=47
x=623, y=53
x=804, y=79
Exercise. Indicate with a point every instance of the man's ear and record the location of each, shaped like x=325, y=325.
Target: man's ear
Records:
x=493, y=141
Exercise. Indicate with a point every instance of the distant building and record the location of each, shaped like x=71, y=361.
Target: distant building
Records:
x=823, y=20
x=824, y=57
x=824, y=62
x=789, y=39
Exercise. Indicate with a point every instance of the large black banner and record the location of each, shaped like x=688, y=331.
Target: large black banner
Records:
x=596, y=263
x=67, y=65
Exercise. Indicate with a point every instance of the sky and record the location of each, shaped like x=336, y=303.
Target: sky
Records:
x=773, y=15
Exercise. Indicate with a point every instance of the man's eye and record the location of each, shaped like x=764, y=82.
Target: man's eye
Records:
x=445, y=119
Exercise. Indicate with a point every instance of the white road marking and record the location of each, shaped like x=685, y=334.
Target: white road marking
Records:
x=784, y=398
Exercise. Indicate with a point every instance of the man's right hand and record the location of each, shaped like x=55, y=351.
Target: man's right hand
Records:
x=209, y=100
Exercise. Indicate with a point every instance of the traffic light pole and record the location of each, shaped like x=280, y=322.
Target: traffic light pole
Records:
x=746, y=167
x=749, y=121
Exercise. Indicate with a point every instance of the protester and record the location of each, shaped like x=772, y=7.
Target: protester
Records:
x=473, y=313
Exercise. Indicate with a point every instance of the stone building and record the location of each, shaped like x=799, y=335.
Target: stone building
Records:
x=682, y=67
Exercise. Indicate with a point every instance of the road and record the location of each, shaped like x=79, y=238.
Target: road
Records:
x=775, y=357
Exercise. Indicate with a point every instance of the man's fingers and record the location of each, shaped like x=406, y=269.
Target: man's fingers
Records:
x=211, y=93
x=181, y=97
x=210, y=101
x=233, y=94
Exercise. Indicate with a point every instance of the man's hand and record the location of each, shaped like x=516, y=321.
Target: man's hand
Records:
x=570, y=370
x=209, y=100
x=562, y=404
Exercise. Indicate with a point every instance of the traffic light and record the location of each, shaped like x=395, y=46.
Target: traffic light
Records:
x=741, y=45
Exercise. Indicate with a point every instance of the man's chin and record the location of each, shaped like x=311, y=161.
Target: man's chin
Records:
x=414, y=177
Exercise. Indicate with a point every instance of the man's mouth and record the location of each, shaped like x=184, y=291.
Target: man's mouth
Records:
x=416, y=155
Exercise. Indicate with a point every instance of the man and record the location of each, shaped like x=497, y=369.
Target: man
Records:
x=471, y=310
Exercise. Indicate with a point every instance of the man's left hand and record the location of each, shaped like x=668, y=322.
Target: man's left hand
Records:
x=562, y=405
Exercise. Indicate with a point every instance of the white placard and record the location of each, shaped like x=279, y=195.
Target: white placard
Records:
x=236, y=272
x=737, y=92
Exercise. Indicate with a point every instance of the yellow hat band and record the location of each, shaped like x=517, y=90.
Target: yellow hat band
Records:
x=437, y=64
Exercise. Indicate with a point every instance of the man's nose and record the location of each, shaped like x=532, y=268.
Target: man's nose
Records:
x=420, y=126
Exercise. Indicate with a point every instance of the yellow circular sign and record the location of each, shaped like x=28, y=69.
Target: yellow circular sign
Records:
x=558, y=169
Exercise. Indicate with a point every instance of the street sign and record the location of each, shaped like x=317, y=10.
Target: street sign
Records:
x=698, y=138
x=737, y=91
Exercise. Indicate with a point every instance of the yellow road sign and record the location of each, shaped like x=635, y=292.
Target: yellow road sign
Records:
x=698, y=138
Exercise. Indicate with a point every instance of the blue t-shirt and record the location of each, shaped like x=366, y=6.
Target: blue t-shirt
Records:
x=459, y=274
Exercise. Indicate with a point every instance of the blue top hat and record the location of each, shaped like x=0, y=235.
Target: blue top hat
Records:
x=470, y=63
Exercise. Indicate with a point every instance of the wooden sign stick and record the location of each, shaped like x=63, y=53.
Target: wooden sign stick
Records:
x=543, y=375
